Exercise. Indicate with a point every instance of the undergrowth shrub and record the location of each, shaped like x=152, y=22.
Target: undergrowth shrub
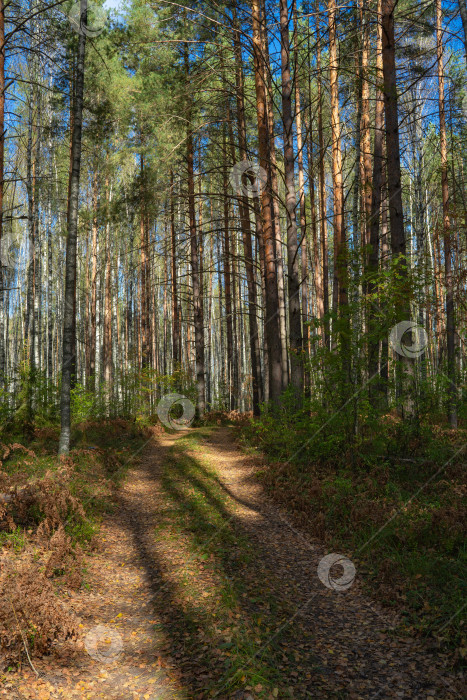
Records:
x=393, y=493
x=49, y=514
x=31, y=615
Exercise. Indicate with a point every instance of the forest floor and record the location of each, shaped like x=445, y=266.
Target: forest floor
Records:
x=199, y=587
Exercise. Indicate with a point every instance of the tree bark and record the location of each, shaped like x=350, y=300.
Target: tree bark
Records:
x=176, y=340
x=450, y=324
x=340, y=300
x=295, y=326
x=246, y=229
x=145, y=287
x=276, y=218
x=376, y=198
x=404, y=365
x=228, y=284
x=396, y=216
x=2, y=167
x=194, y=258
x=303, y=221
x=272, y=327
x=322, y=190
x=365, y=127
x=463, y=13
x=93, y=310
x=69, y=344
x=107, y=344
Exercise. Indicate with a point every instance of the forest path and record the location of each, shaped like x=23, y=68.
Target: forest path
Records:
x=207, y=591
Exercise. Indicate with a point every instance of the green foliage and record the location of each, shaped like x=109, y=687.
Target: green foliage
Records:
x=36, y=405
x=84, y=404
x=14, y=539
x=392, y=494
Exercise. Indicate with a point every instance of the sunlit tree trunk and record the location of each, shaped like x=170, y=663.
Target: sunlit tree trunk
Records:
x=303, y=221
x=276, y=215
x=2, y=158
x=317, y=268
x=107, y=340
x=295, y=325
x=246, y=229
x=228, y=283
x=450, y=325
x=145, y=286
x=93, y=309
x=50, y=315
x=366, y=177
x=340, y=300
x=272, y=327
x=322, y=188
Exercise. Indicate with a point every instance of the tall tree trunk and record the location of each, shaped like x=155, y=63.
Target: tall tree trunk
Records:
x=50, y=315
x=317, y=269
x=450, y=324
x=29, y=327
x=93, y=310
x=376, y=195
x=322, y=189
x=36, y=334
x=404, y=365
x=246, y=229
x=145, y=291
x=175, y=312
x=70, y=175
x=396, y=216
x=272, y=327
x=107, y=340
x=228, y=283
x=304, y=236
x=295, y=325
x=209, y=360
x=194, y=258
x=463, y=12
x=365, y=128
x=303, y=222
x=276, y=217
x=69, y=344
x=384, y=264
x=340, y=248
x=315, y=243
x=2, y=158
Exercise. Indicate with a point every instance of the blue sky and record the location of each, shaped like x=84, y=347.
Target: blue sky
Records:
x=113, y=4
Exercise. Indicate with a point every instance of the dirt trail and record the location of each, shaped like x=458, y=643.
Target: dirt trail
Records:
x=247, y=619
x=118, y=599
x=357, y=654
